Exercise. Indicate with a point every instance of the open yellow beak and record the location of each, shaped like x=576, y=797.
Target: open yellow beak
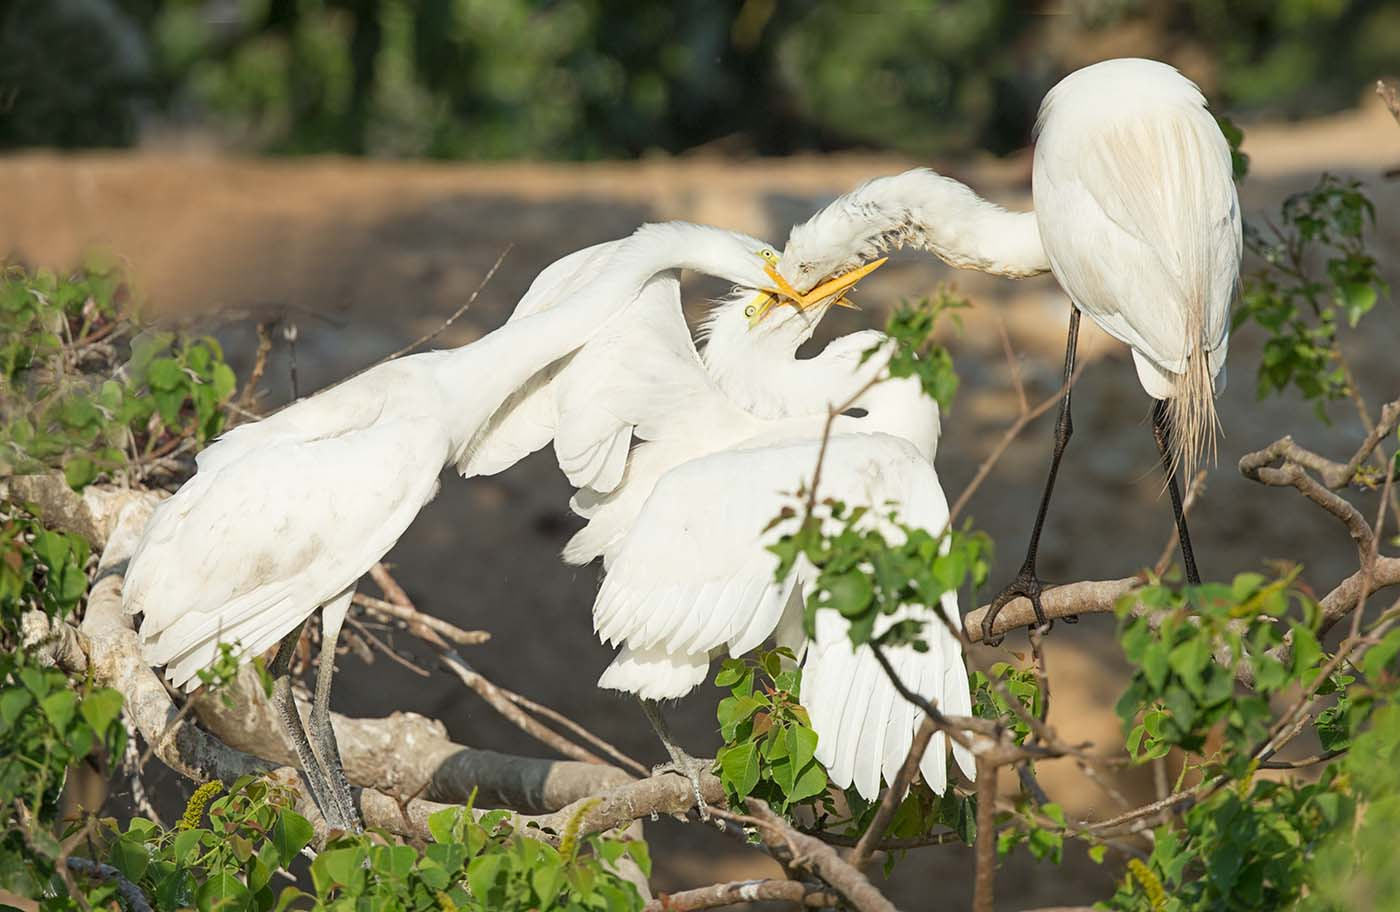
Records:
x=834, y=287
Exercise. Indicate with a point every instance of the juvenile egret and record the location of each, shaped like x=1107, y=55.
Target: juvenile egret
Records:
x=1136, y=214
x=723, y=435
x=691, y=576
x=284, y=515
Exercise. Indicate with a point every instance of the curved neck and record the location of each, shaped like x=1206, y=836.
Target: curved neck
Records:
x=478, y=377
x=920, y=208
x=757, y=367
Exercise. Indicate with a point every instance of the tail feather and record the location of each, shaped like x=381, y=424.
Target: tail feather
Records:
x=1191, y=409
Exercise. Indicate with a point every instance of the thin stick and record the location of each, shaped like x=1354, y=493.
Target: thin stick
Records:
x=985, y=882
x=559, y=718
x=894, y=794
x=1012, y=432
x=442, y=327
x=424, y=626
x=1194, y=491
x=514, y=714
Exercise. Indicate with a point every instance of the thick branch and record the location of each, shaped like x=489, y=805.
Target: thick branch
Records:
x=813, y=896
x=1088, y=597
x=663, y=794
x=130, y=893
x=409, y=754
x=819, y=858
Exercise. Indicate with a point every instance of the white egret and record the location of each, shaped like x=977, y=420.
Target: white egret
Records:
x=679, y=522
x=1136, y=214
x=284, y=515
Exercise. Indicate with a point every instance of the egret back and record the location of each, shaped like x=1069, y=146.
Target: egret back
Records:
x=246, y=551
x=1140, y=219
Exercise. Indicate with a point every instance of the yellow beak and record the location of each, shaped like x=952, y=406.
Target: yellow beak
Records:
x=836, y=287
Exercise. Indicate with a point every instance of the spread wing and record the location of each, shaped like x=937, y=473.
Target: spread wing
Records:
x=694, y=575
x=245, y=552
x=1141, y=221
x=634, y=371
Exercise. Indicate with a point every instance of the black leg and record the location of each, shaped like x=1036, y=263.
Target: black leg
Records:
x=291, y=722
x=1026, y=583
x=1161, y=431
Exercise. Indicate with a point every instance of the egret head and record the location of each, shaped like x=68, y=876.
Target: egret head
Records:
x=818, y=266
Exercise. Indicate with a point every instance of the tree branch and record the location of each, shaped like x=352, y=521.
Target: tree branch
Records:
x=894, y=794
x=812, y=896
x=1088, y=597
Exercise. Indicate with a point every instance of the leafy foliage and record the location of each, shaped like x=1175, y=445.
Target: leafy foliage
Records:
x=67, y=399
x=768, y=738
x=1185, y=647
x=40, y=568
x=1299, y=306
x=252, y=834
x=917, y=354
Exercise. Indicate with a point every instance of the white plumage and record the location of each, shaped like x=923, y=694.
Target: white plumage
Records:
x=726, y=436
x=1135, y=212
x=284, y=515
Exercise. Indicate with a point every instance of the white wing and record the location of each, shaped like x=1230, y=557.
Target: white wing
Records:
x=243, y=553
x=634, y=370
x=694, y=575
x=1138, y=212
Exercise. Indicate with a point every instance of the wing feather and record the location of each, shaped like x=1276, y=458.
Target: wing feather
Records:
x=298, y=538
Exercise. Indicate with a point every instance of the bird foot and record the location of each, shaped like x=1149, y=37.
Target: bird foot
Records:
x=1026, y=585
x=692, y=768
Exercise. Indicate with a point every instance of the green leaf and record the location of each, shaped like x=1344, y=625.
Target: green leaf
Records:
x=739, y=767
x=481, y=877
x=101, y=708
x=164, y=374
x=79, y=472
x=131, y=857
x=222, y=891
x=850, y=593
x=60, y=707
x=290, y=834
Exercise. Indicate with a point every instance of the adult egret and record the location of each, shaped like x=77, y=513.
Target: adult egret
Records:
x=1136, y=214
x=724, y=433
x=284, y=515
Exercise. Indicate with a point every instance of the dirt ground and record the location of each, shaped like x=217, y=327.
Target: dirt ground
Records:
x=364, y=257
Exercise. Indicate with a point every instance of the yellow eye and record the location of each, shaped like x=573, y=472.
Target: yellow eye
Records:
x=769, y=255
x=750, y=311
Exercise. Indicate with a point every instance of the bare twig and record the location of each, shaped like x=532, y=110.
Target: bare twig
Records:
x=513, y=713
x=1087, y=597
x=1194, y=492
x=984, y=884
x=894, y=794
x=442, y=327
x=424, y=626
x=819, y=858
x=1026, y=417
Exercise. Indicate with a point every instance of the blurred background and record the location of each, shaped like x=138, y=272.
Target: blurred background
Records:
x=584, y=80
x=270, y=160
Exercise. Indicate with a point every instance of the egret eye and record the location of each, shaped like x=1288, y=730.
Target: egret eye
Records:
x=750, y=310
x=769, y=255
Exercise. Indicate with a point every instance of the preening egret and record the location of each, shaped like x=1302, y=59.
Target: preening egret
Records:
x=1136, y=214
x=284, y=515
x=679, y=522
